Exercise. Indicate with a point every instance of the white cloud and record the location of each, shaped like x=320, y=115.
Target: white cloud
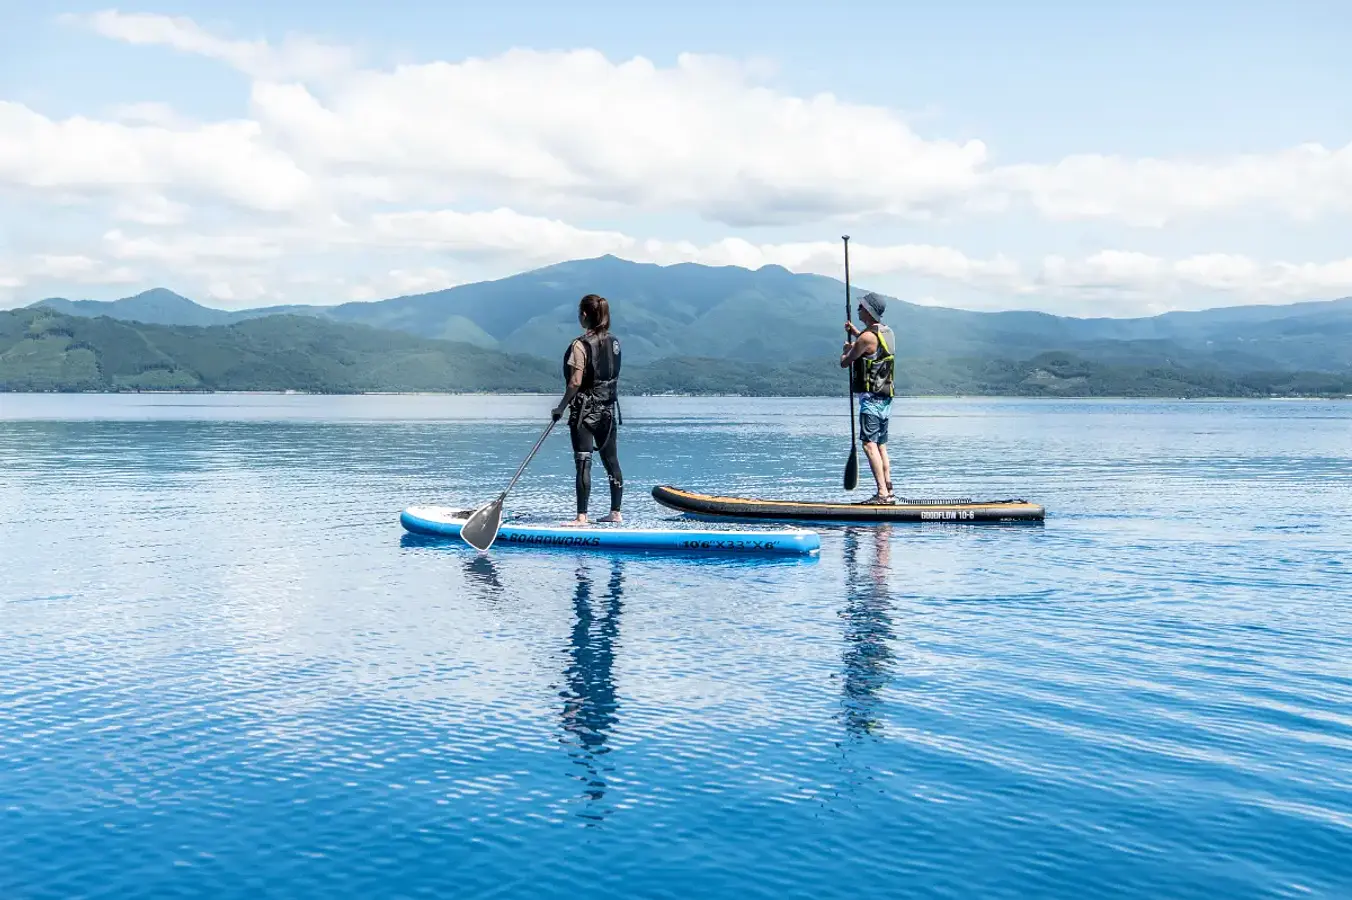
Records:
x=1305, y=279
x=401, y=282
x=1302, y=183
x=941, y=262
x=364, y=181
x=1162, y=284
x=558, y=130
x=227, y=160
x=1125, y=274
x=146, y=113
x=1108, y=270
x=192, y=249
x=297, y=57
x=69, y=268
x=501, y=231
x=236, y=289
x=442, y=246
x=150, y=209
x=1220, y=271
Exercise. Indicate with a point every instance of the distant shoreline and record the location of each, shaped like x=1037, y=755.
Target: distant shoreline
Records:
x=296, y=393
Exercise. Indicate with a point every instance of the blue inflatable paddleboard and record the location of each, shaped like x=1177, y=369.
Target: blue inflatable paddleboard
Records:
x=440, y=521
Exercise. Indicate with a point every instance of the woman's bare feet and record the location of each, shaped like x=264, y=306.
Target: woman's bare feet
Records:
x=613, y=516
x=580, y=520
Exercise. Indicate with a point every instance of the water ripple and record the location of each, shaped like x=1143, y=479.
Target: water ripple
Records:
x=228, y=672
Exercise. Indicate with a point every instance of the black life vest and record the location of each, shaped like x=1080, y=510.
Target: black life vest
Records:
x=601, y=372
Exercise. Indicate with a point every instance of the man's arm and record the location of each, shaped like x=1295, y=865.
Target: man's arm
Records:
x=863, y=346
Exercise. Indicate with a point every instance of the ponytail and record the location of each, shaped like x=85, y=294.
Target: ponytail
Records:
x=595, y=312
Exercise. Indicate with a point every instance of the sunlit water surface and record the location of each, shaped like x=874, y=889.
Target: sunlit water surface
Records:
x=225, y=670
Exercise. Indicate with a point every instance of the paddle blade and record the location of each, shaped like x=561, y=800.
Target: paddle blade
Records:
x=852, y=470
x=481, y=529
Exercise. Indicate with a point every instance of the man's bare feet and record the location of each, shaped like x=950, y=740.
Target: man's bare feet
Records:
x=580, y=520
x=613, y=516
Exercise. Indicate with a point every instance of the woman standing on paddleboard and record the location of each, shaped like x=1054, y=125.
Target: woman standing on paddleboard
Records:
x=591, y=371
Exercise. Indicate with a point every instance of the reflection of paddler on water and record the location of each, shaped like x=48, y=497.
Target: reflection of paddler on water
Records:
x=589, y=702
x=868, y=655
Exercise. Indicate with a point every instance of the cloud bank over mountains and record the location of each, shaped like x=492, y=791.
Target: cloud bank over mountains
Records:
x=343, y=180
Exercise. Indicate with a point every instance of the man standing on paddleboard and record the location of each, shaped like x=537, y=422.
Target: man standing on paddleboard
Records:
x=591, y=372
x=872, y=358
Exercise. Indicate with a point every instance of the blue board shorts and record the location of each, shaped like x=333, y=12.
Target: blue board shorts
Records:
x=874, y=413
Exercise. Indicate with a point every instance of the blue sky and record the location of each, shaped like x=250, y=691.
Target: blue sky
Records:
x=1197, y=193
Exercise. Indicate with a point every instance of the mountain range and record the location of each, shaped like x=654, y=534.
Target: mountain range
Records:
x=45, y=350
x=772, y=314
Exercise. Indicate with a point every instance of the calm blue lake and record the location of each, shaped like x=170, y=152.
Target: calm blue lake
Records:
x=226, y=672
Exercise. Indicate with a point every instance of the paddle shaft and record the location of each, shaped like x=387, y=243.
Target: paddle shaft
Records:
x=528, y=458
x=851, y=464
x=849, y=317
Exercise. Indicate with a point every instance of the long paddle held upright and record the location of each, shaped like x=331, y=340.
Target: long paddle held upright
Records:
x=481, y=528
x=852, y=464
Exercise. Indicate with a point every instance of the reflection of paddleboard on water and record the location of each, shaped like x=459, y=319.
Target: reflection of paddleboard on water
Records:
x=440, y=521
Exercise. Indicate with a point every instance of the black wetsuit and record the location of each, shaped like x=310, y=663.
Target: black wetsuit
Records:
x=593, y=416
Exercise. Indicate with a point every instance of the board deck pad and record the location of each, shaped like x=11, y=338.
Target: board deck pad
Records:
x=959, y=509
x=440, y=521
